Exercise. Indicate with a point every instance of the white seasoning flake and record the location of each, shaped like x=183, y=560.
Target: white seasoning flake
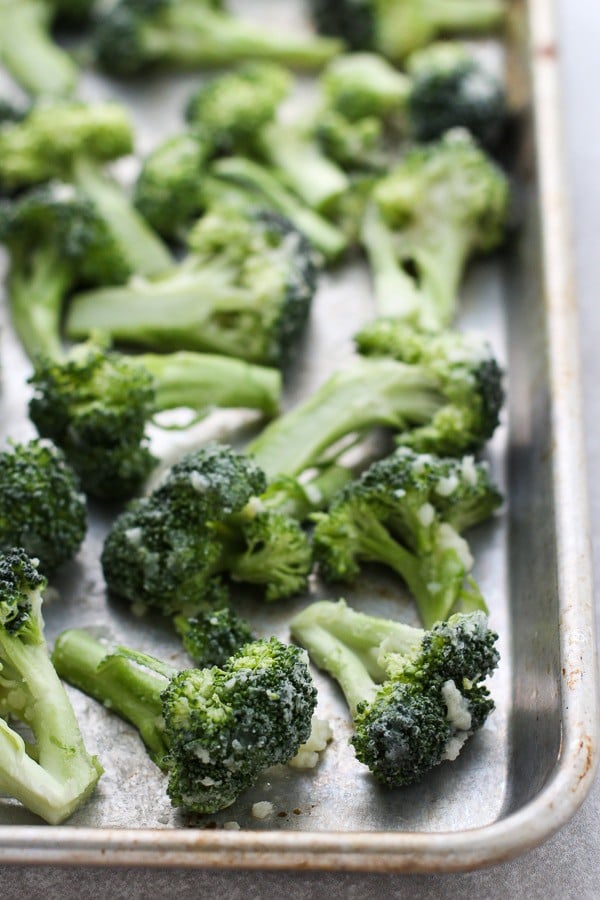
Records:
x=231, y=826
x=426, y=515
x=446, y=486
x=469, y=470
x=262, y=810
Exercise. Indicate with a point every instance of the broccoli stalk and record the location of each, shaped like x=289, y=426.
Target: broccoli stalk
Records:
x=53, y=776
x=245, y=290
x=441, y=392
x=96, y=404
x=191, y=34
x=27, y=50
x=440, y=205
x=407, y=512
x=415, y=696
x=214, y=730
x=396, y=29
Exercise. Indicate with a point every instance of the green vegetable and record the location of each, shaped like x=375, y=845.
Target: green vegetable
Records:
x=213, y=730
x=415, y=696
x=210, y=638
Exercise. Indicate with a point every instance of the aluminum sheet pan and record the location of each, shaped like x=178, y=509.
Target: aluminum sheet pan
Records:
x=526, y=772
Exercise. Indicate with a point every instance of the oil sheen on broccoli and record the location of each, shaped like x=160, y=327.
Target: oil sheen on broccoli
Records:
x=214, y=730
x=415, y=696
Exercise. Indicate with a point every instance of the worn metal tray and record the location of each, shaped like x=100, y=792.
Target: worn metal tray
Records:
x=524, y=775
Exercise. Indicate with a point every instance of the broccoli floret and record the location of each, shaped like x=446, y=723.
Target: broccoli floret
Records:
x=210, y=638
x=27, y=49
x=264, y=189
x=415, y=696
x=245, y=290
x=214, y=730
x=189, y=34
x=41, y=506
x=450, y=88
x=396, y=29
x=442, y=204
x=230, y=110
x=205, y=521
x=441, y=392
x=56, y=240
x=363, y=84
x=355, y=146
x=53, y=775
x=69, y=141
x=96, y=404
x=406, y=512
x=467, y=375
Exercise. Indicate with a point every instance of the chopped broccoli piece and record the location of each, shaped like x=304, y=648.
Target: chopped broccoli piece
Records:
x=56, y=240
x=41, y=506
x=245, y=290
x=415, y=696
x=69, y=141
x=450, y=88
x=213, y=730
x=189, y=34
x=205, y=521
x=441, y=392
x=27, y=49
x=407, y=512
x=54, y=774
x=396, y=29
x=210, y=638
x=443, y=203
x=358, y=85
x=96, y=404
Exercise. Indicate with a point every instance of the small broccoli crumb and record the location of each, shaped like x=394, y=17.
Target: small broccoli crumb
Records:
x=262, y=810
x=307, y=756
x=231, y=826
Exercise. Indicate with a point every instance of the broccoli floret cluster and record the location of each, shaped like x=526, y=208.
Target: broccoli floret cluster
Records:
x=214, y=730
x=407, y=512
x=211, y=637
x=53, y=774
x=415, y=696
x=41, y=506
x=171, y=550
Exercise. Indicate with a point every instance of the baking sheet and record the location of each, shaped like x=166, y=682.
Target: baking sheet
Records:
x=537, y=748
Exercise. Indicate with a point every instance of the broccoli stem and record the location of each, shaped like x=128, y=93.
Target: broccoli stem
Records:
x=142, y=249
x=468, y=15
x=36, y=300
x=202, y=381
x=324, y=236
x=371, y=392
x=29, y=53
x=191, y=36
x=181, y=311
x=310, y=174
x=298, y=500
x=131, y=687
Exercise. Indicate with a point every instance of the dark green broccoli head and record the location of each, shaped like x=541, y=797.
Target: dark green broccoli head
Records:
x=406, y=512
x=51, y=138
x=226, y=726
x=41, y=506
x=168, y=191
x=449, y=89
x=59, y=219
x=73, y=11
x=468, y=376
x=210, y=638
x=352, y=20
x=231, y=109
x=11, y=111
x=21, y=587
x=95, y=406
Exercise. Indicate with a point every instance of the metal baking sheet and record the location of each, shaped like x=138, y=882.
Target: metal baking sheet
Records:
x=526, y=772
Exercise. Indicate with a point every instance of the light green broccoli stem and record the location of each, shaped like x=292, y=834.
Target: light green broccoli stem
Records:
x=370, y=393
x=28, y=51
x=130, y=687
x=143, y=250
x=36, y=300
x=467, y=15
x=298, y=500
x=204, y=381
x=193, y=36
x=324, y=236
x=310, y=174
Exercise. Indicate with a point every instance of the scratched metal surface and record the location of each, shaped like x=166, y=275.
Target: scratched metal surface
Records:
x=501, y=769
